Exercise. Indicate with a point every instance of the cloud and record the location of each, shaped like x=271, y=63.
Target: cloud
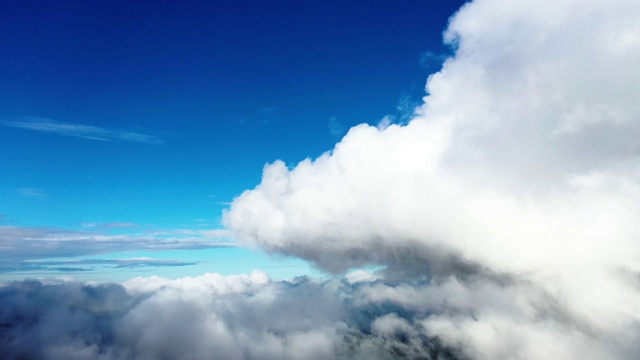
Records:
x=513, y=193
x=32, y=192
x=106, y=226
x=81, y=131
x=430, y=59
x=19, y=246
x=336, y=128
x=209, y=317
x=88, y=264
x=406, y=107
x=267, y=110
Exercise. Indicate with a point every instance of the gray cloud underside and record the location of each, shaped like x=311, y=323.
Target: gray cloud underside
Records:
x=79, y=130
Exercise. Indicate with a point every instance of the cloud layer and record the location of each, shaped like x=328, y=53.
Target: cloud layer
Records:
x=25, y=248
x=212, y=317
x=514, y=191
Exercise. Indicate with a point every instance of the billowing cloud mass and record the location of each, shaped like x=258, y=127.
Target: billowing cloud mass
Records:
x=514, y=192
x=504, y=218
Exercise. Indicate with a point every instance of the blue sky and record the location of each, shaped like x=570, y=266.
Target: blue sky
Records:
x=127, y=127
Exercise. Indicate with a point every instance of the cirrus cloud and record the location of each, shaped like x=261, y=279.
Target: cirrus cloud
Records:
x=80, y=130
x=26, y=248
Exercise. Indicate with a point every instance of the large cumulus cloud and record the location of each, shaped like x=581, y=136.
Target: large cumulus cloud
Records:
x=514, y=191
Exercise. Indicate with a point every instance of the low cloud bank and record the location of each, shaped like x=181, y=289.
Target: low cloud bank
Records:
x=251, y=317
x=218, y=317
x=514, y=192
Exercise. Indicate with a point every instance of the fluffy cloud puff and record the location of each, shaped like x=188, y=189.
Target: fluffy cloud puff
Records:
x=514, y=190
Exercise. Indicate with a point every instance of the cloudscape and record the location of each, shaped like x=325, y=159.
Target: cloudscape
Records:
x=496, y=218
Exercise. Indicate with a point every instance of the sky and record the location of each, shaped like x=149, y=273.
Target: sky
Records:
x=473, y=194
x=145, y=119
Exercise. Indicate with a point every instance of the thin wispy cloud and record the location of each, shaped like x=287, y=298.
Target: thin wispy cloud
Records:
x=32, y=243
x=87, y=264
x=406, y=107
x=107, y=226
x=335, y=128
x=80, y=130
x=430, y=59
x=267, y=110
x=32, y=192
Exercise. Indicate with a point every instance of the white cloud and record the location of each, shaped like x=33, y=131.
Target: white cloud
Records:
x=79, y=130
x=210, y=284
x=516, y=185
